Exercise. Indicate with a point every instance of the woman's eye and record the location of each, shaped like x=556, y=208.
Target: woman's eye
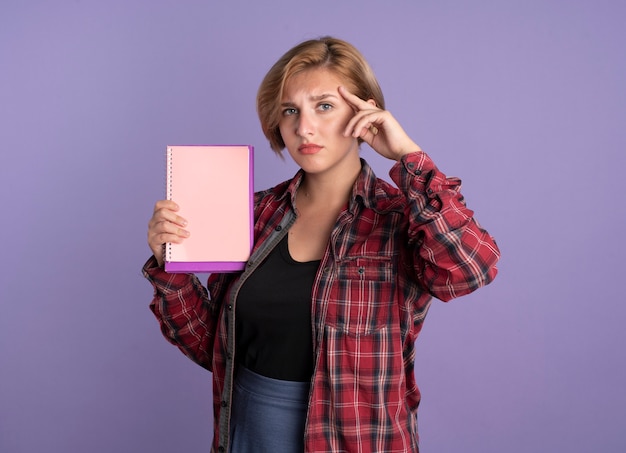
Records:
x=289, y=111
x=325, y=106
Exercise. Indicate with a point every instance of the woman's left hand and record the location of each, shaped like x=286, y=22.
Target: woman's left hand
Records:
x=377, y=127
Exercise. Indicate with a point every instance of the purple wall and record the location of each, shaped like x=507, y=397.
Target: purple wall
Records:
x=525, y=101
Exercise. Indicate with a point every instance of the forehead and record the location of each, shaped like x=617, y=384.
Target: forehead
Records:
x=312, y=82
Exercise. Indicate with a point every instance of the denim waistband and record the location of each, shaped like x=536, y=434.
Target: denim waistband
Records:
x=272, y=388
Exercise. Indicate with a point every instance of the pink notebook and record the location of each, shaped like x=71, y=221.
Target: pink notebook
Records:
x=213, y=185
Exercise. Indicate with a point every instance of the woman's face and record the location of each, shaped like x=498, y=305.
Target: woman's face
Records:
x=313, y=118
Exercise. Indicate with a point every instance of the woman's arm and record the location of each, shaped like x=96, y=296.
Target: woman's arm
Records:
x=452, y=254
x=180, y=303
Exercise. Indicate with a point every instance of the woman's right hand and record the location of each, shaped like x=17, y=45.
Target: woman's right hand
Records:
x=165, y=226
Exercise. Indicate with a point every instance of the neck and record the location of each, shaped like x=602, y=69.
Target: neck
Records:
x=328, y=190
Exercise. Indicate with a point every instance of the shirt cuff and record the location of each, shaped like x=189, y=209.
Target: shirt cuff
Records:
x=162, y=281
x=412, y=172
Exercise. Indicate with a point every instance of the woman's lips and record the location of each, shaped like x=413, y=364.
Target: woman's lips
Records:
x=309, y=148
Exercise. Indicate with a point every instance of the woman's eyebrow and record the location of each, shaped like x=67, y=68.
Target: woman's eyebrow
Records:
x=319, y=97
x=315, y=98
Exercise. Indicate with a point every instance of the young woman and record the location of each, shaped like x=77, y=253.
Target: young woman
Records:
x=312, y=345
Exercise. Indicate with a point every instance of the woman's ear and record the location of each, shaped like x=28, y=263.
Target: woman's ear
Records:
x=372, y=101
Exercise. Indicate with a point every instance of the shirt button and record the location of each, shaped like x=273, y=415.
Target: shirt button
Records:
x=278, y=228
x=221, y=449
x=224, y=404
x=361, y=270
x=230, y=307
x=411, y=165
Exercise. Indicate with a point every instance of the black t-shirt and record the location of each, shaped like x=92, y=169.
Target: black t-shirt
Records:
x=273, y=336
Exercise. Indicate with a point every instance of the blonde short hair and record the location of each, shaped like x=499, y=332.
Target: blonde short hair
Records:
x=326, y=52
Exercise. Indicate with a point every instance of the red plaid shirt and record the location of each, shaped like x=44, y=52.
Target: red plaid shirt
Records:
x=389, y=253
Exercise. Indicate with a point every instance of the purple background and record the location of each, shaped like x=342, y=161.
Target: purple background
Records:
x=523, y=100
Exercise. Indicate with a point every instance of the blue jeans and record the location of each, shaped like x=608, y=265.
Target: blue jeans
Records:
x=268, y=414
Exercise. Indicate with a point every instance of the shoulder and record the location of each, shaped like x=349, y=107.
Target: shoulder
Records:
x=386, y=197
x=273, y=193
x=272, y=199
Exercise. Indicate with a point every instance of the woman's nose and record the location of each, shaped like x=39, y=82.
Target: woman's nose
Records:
x=305, y=125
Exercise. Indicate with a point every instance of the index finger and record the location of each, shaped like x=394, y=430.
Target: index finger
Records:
x=166, y=210
x=355, y=102
x=166, y=204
